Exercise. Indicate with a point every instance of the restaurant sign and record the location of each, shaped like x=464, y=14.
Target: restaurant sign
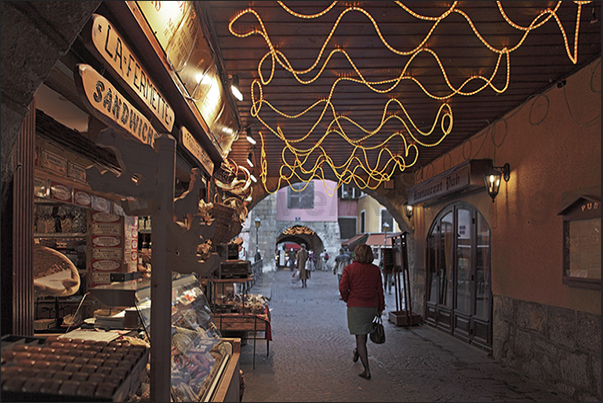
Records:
x=109, y=45
x=196, y=151
x=110, y=107
x=465, y=176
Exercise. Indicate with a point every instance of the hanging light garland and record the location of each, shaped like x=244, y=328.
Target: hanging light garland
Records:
x=358, y=168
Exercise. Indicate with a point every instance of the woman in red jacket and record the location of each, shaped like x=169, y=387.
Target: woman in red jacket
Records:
x=362, y=290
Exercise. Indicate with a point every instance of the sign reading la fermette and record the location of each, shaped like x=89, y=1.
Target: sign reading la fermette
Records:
x=118, y=56
x=110, y=107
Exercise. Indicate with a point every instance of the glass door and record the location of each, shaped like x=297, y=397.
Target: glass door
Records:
x=459, y=297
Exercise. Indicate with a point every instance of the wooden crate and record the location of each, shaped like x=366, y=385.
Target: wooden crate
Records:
x=402, y=318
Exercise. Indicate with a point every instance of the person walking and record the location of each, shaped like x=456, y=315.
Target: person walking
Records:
x=324, y=259
x=291, y=260
x=361, y=289
x=341, y=261
x=387, y=276
x=302, y=257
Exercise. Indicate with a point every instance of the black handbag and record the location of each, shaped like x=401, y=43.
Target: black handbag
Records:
x=378, y=334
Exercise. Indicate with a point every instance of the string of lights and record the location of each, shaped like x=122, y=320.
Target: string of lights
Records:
x=357, y=167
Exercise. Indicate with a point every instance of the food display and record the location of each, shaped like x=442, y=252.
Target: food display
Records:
x=65, y=369
x=241, y=303
x=196, y=359
x=198, y=353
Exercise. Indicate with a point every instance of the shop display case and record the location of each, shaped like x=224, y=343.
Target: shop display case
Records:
x=204, y=366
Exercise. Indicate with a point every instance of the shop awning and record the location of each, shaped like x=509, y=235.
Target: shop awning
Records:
x=294, y=246
x=355, y=241
x=378, y=239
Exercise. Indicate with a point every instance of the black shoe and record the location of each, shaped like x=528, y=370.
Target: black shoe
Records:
x=356, y=356
x=366, y=375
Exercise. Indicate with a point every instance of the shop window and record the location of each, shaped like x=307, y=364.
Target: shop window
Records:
x=301, y=196
x=362, y=222
x=582, y=242
x=347, y=227
x=386, y=217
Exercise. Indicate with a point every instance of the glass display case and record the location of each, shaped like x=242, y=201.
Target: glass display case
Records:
x=202, y=362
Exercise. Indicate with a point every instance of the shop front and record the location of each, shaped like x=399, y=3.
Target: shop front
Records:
x=132, y=197
x=458, y=289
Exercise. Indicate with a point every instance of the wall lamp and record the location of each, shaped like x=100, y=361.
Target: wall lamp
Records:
x=250, y=136
x=234, y=87
x=250, y=159
x=408, y=210
x=492, y=179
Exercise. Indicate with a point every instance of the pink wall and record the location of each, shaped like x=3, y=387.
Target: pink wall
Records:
x=348, y=208
x=325, y=205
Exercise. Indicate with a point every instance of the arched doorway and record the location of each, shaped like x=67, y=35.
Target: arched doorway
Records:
x=298, y=234
x=459, y=291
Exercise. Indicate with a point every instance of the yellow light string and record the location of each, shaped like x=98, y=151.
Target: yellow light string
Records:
x=347, y=173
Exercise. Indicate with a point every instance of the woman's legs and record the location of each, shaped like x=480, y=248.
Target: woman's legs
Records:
x=363, y=354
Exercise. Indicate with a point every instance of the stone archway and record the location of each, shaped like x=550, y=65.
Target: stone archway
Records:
x=301, y=234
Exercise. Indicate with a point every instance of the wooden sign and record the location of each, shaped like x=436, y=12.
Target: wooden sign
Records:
x=466, y=176
x=76, y=172
x=109, y=106
x=196, y=151
x=53, y=163
x=109, y=45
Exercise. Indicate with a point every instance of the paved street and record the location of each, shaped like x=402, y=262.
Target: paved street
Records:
x=310, y=357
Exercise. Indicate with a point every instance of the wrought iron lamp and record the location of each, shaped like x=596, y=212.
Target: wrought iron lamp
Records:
x=408, y=210
x=385, y=228
x=492, y=179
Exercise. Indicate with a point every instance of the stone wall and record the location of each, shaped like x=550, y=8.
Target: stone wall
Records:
x=266, y=211
x=555, y=346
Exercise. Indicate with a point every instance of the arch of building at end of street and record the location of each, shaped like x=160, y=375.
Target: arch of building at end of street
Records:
x=392, y=199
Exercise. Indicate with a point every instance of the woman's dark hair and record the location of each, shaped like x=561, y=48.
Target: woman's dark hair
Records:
x=363, y=254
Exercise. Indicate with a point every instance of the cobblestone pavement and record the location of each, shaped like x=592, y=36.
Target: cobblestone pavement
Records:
x=310, y=357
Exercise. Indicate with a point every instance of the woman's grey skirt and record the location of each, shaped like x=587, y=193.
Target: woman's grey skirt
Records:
x=360, y=319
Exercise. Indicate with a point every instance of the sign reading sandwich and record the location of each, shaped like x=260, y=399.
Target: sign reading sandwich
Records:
x=110, y=107
x=108, y=44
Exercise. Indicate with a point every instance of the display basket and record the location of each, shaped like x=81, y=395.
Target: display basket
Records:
x=226, y=223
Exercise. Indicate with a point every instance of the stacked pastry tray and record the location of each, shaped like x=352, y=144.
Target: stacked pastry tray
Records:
x=63, y=369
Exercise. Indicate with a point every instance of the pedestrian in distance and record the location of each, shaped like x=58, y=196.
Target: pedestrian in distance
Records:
x=291, y=262
x=341, y=261
x=362, y=290
x=302, y=257
x=387, y=276
x=325, y=258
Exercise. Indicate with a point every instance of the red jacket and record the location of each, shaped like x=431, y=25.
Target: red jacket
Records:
x=361, y=286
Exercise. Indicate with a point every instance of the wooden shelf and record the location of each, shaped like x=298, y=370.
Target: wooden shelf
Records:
x=61, y=235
